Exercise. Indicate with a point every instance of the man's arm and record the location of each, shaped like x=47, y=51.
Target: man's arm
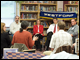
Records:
x=75, y=31
x=49, y=29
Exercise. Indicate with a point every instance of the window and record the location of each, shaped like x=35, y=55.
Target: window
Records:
x=8, y=12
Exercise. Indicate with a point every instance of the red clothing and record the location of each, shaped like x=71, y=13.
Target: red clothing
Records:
x=24, y=37
x=35, y=29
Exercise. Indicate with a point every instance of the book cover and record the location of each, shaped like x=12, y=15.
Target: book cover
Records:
x=9, y=50
x=35, y=1
x=52, y=2
x=40, y=1
x=45, y=1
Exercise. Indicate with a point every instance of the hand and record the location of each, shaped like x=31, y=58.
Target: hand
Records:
x=71, y=34
x=35, y=38
x=74, y=44
x=53, y=32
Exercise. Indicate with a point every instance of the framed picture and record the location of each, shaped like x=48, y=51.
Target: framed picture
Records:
x=60, y=9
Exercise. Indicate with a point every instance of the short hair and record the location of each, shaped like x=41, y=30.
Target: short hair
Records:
x=16, y=16
x=61, y=24
x=24, y=25
x=74, y=19
x=2, y=25
x=54, y=18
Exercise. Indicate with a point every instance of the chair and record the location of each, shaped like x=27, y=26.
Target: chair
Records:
x=64, y=48
x=22, y=47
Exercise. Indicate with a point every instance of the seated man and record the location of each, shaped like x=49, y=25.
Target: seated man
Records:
x=60, y=38
x=50, y=31
x=73, y=30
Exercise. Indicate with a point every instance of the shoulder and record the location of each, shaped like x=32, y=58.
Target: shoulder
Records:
x=16, y=32
x=76, y=25
x=28, y=33
x=12, y=23
x=51, y=24
x=68, y=34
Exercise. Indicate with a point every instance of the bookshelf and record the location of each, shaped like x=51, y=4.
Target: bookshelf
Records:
x=71, y=8
x=30, y=11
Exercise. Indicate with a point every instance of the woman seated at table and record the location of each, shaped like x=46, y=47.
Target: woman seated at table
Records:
x=23, y=36
x=38, y=31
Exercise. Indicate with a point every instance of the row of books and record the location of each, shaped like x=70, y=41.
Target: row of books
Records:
x=72, y=9
x=48, y=8
x=73, y=2
x=29, y=8
x=28, y=16
x=45, y=24
x=53, y=2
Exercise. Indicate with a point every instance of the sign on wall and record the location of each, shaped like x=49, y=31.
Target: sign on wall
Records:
x=59, y=15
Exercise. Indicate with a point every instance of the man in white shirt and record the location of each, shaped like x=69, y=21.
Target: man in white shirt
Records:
x=15, y=26
x=60, y=38
x=50, y=31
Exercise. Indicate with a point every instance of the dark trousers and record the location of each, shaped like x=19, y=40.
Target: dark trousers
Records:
x=49, y=35
x=37, y=43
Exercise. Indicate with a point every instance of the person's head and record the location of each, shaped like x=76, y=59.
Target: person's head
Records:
x=16, y=19
x=38, y=22
x=3, y=28
x=61, y=25
x=55, y=20
x=24, y=25
x=73, y=22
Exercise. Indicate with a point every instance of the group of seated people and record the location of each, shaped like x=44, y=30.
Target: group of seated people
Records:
x=56, y=36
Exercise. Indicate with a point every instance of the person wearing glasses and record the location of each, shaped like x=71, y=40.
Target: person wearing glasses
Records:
x=15, y=26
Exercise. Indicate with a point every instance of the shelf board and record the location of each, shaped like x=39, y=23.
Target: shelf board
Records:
x=30, y=3
x=29, y=11
x=72, y=4
x=47, y=4
x=29, y=19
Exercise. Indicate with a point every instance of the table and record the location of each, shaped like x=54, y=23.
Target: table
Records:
x=24, y=55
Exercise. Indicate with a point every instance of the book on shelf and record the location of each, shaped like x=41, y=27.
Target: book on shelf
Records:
x=73, y=2
x=29, y=8
x=40, y=1
x=45, y=1
x=48, y=8
x=35, y=1
x=28, y=16
x=72, y=9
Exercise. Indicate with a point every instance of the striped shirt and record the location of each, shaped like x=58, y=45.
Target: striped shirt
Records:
x=60, y=38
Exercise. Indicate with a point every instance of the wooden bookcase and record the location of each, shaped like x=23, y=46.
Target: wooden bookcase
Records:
x=37, y=12
x=67, y=6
